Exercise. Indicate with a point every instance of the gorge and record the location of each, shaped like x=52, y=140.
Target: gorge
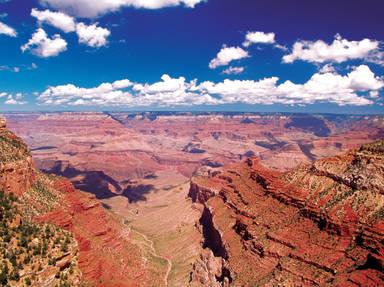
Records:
x=207, y=199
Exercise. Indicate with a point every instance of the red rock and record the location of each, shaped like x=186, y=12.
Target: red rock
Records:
x=274, y=228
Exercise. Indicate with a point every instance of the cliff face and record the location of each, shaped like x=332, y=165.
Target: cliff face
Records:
x=317, y=225
x=98, y=251
x=16, y=170
x=107, y=255
x=31, y=254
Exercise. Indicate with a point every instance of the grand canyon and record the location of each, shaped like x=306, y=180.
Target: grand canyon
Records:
x=191, y=143
x=201, y=199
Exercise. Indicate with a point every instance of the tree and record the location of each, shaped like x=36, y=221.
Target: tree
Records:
x=3, y=279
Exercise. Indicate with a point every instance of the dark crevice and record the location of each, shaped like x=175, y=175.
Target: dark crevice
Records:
x=212, y=237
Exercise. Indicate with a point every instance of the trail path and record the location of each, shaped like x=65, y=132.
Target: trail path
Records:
x=154, y=253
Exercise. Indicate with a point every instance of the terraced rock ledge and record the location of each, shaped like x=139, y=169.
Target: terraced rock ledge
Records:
x=318, y=225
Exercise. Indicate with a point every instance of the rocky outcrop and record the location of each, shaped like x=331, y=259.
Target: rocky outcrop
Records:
x=17, y=177
x=317, y=225
x=107, y=256
x=16, y=168
x=98, y=251
x=31, y=254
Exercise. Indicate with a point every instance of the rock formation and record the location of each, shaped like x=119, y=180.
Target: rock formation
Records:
x=87, y=246
x=31, y=254
x=317, y=225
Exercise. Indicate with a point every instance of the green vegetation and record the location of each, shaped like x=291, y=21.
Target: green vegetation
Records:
x=25, y=247
x=42, y=198
x=11, y=147
x=378, y=215
x=376, y=147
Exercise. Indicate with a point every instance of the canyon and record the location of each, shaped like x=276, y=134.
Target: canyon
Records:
x=209, y=199
x=316, y=225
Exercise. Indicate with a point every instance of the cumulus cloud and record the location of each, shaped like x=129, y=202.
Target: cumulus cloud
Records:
x=106, y=93
x=14, y=100
x=227, y=55
x=359, y=87
x=340, y=50
x=233, y=70
x=7, y=30
x=167, y=92
x=321, y=88
x=170, y=92
x=92, y=35
x=56, y=19
x=43, y=46
x=92, y=8
x=327, y=68
x=258, y=37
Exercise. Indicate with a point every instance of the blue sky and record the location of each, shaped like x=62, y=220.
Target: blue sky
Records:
x=249, y=55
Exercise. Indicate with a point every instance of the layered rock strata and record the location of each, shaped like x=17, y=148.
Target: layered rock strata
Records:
x=317, y=225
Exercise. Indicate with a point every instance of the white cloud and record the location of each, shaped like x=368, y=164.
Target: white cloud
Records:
x=327, y=68
x=340, y=50
x=92, y=8
x=376, y=57
x=10, y=69
x=43, y=46
x=7, y=30
x=56, y=19
x=227, y=55
x=104, y=94
x=17, y=69
x=92, y=35
x=3, y=94
x=363, y=79
x=281, y=47
x=233, y=70
x=168, y=92
x=359, y=87
x=11, y=101
x=374, y=94
x=122, y=84
x=321, y=88
x=17, y=100
x=258, y=37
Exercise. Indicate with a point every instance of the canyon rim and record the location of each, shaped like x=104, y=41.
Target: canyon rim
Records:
x=191, y=143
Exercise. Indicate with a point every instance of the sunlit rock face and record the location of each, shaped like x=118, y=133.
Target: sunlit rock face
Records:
x=57, y=234
x=110, y=153
x=267, y=203
x=316, y=225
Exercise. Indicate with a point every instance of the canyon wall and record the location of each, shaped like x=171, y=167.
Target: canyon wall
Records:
x=317, y=225
x=102, y=252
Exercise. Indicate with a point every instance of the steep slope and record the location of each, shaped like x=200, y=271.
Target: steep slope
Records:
x=318, y=225
x=96, y=244
x=30, y=254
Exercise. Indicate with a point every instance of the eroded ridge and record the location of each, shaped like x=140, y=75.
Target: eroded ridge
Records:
x=317, y=225
x=55, y=235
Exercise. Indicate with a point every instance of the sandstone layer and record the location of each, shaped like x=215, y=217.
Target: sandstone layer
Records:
x=102, y=249
x=317, y=225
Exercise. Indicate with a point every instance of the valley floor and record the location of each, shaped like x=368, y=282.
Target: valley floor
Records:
x=164, y=224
